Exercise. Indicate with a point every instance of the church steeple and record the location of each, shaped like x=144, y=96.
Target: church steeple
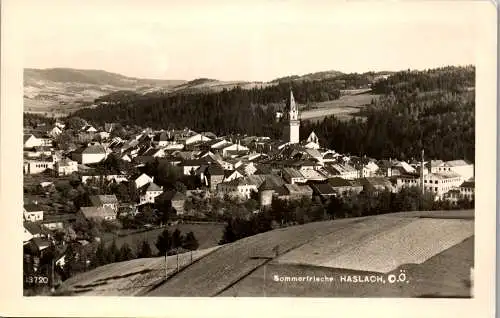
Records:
x=294, y=113
x=292, y=131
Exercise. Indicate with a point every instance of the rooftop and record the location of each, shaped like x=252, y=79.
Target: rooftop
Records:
x=98, y=200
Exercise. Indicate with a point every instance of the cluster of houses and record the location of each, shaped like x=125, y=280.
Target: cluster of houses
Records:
x=240, y=167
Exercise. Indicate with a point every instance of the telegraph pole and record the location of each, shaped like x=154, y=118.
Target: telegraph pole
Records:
x=166, y=266
x=422, y=167
x=52, y=289
x=177, y=261
x=265, y=266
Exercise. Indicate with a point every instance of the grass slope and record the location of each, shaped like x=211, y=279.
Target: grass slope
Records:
x=444, y=275
x=235, y=269
x=231, y=262
x=128, y=278
x=343, y=108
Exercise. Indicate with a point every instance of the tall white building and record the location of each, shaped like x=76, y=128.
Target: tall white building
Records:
x=292, y=131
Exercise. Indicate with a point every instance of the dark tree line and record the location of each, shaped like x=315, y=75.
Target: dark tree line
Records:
x=432, y=109
x=454, y=79
x=286, y=213
x=32, y=120
x=429, y=110
x=229, y=111
x=171, y=243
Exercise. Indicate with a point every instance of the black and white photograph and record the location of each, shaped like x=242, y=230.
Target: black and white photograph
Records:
x=276, y=149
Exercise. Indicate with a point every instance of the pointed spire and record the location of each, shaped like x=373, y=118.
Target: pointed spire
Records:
x=292, y=101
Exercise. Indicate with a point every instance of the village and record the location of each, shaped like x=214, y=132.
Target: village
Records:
x=106, y=177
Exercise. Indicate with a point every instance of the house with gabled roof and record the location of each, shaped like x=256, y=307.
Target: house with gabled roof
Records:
x=35, y=166
x=32, y=212
x=323, y=190
x=149, y=192
x=175, y=199
x=97, y=213
x=66, y=167
x=108, y=200
x=32, y=230
x=142, y=180
x=54, y=132
x=461, y=167
x=92, y=153
x=376, y=184
x=196, y=138
x=230, y=175
x=30, y=141
x=215, y=175
x=343, y=186
x=292, y=176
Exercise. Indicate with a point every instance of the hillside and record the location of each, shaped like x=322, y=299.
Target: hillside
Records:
x=62, y=90
x=434, y=249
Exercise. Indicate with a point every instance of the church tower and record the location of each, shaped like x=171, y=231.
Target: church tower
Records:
x=292, y=131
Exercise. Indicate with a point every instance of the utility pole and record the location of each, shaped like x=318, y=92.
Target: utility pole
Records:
x=166, y=266
x=265, y=266
x=422, y=167
x=52, y=289
x=177, y=261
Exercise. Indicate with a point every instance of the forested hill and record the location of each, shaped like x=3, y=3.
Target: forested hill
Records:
x=229, y=111
x=432, y=110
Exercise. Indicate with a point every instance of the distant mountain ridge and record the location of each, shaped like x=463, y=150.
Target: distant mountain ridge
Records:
x=64, y=90
x=95, y=77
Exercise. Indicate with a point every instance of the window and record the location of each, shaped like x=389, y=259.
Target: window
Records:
x=435, y=189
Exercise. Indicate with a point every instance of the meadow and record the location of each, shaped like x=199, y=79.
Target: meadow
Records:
x=343, y=108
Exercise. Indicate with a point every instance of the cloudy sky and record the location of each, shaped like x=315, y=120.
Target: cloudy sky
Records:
x=247, y=40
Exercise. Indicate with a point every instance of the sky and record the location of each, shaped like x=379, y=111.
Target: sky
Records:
x=245, y=40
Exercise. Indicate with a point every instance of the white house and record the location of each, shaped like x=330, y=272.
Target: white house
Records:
x=233, y=148
x=149, y=193
x=31, y=141
x=219, y=144
x=196, y=138
x=437, y=183
x=108, y=200
x=66, y=166
x=54, y=132
x=89, y=129
x=242, y=188
x=93, y=153
x=142, y=180
x=344, y=171
x=37, y=166
x=312, y=141
x=230, y=175
x=461, y=167
x=32, y=213
x=103, y=135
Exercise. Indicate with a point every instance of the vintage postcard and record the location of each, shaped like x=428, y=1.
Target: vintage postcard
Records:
x=209, y=155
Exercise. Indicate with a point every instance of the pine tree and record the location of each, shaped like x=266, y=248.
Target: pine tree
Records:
x=101, y=255
x=164, y=242
x=144, y=250
x=176, y=239
x=125, y=253
x=229, y=234
x=190, y=242
x=113, y=253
